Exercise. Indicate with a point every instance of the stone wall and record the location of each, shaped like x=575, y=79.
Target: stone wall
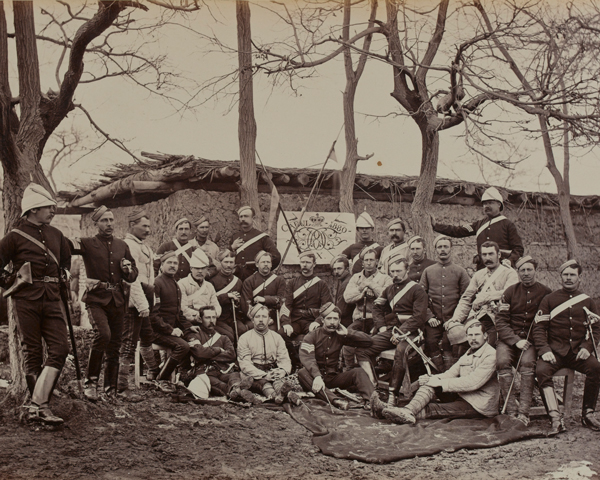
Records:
x=539, y=228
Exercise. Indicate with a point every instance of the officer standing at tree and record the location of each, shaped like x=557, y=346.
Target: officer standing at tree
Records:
x=37, y=304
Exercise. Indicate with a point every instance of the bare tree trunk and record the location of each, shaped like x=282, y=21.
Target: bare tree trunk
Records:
x=349, y=169
x=430, y=148
x=246, y=122
x=562, y=187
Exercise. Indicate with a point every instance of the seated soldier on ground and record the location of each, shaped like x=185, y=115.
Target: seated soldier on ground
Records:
x=319, y=354
x=214, y=355
x=468, y=390
x=263, y=356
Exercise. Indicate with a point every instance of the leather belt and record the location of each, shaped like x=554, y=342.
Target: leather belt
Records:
x=108, y=286
x=47, y=279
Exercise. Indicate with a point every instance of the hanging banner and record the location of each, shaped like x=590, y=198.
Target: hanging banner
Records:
x=325, y=233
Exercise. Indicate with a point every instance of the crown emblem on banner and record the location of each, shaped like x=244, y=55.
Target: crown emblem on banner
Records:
x=316, y=219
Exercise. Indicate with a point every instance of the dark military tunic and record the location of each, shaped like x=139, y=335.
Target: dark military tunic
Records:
x=517, y=309
x=184, y=264
x=166, y=314
x=244, y=258
x=353, y=254
x=416, y=269
x=256, y=286
x=303, y=309
x=498, y=229
x=337, y=293
x=221, y=283
x=413, y=304
x=564, y=331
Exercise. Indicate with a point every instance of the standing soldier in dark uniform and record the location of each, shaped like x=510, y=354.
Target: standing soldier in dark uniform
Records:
x=495, y=227
x=340, y=274
x=319, y=354
x=168, y=322
x=419, y=260
x=37, y=305
x=228, y=289
x=561, y=338
x=517, y=309
x=305, y=295
x=183, y=245
x=264, y=287
x=402, y=305
x=248, y=242
x=108, y=262
x=365, y=226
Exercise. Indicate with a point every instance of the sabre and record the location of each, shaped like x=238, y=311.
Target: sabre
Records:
x=234, y=321
x=426, y=360
x=591, y=318
x=64, y=297
x=512, y=384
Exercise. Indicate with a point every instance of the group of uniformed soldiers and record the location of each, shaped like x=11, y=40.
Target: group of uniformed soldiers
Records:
x=200, y=304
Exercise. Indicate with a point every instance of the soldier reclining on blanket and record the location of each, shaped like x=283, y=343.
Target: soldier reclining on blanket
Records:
x=469, y=389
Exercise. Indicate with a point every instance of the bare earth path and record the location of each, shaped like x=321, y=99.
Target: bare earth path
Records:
x=161, y=439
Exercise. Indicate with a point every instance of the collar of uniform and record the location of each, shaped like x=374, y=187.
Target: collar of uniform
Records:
x=196, y=281
x=104, y=238
x=32, y=225
x=571, y=292
x=131, y=236
x=479, y=351
x=491, y=218
x=210, y=333
x=403, y=282
x=345, y=276
x=310, y=277
x=253, y=231
x=444, y=264
x=369, y=276
x=260, y=334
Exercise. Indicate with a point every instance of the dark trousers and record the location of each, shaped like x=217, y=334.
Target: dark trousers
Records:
x=292, y=341
x=381, y=342
x=180, y=349
x=107, y=321
x=219, y=382
x=507, y=356
x=433, y=336
x=226, y=328
x=451, y=406
x=589, y=367
x=42, y=319
x=135, y=328
x=355, y=377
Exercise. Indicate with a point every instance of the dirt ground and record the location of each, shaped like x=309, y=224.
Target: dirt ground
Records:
x=169, y=439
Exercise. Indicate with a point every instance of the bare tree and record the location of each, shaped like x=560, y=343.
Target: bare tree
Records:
x=28, y=119
x=552, y=56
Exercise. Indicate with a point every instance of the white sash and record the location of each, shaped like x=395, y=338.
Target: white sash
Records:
x=569, y=303
x=489, y=283
x=263, y=285
x=306, y=286
x=357, y=256
x=247, y=243
x=182, y=249
x=212, y=340
x=229, y=287
x=390, y=252
x=499, y=218
x=401, y=293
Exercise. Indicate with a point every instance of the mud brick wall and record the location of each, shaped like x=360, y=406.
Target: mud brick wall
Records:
x=540, y=228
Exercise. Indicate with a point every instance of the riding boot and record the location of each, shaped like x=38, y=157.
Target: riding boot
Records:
x=40, y=408
x=91, y=382
x=505, y=379
x=163, y=379
x=590, y=397
x=557, y=424
x=149, y=358
x=438, y=362
x=526, y=394
x=111, y=375
x=123, y=381
x=31, y=381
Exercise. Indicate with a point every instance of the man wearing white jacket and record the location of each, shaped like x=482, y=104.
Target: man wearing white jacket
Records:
x=136, y=323
x=196, y=292
x=468, y=390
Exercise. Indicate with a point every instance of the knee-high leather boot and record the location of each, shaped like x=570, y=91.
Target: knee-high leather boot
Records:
x=91, y=382
x=505, y=379
x=557, y=425
x=40, y=408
